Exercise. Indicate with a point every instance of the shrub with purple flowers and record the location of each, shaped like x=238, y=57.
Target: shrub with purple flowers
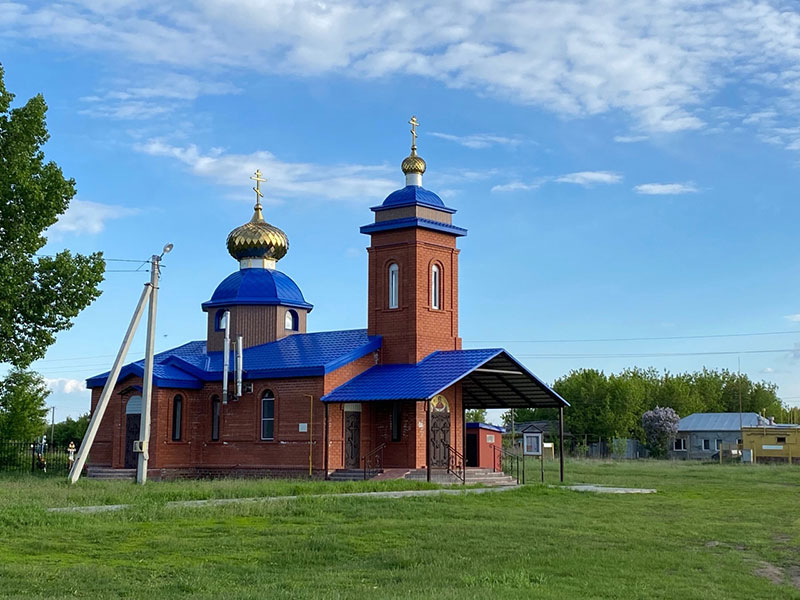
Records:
x=660, y=426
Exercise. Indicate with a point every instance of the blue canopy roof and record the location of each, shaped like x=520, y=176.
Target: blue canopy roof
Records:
x=491, y=378
x=257, y=286
x=299, y=355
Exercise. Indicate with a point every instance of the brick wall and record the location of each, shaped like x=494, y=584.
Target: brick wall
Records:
x=414, y=329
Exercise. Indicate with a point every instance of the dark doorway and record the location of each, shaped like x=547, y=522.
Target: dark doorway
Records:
x=472, y=450
x=132, y=424
x=352, y=440
x=440, y=439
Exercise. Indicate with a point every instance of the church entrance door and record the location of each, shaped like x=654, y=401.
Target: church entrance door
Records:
x=133, y=421
x=352, y=440
x=440, y=432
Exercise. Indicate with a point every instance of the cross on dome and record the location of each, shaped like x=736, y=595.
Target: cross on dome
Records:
x=413, y=165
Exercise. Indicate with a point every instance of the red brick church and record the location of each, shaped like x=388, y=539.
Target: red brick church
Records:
x=392, y=395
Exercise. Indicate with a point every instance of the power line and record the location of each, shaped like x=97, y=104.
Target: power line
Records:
x=657, y=354
x=634, y=339
x=130, y=260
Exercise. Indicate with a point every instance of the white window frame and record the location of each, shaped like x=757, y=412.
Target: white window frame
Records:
x=682, y=444
x=264, y=419
x=394, y=285
x=436, y=287
x=717, y=445
x=706, y=444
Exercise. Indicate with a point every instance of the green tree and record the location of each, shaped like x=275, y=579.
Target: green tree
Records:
x=39, y=296
x=22, y=405
x=476, y=415
x=70, y=430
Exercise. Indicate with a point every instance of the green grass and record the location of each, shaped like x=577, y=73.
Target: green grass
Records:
x=710, y=532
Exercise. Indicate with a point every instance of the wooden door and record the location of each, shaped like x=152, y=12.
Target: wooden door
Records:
x=440, y=439
x=132, y=424
x=352, y=440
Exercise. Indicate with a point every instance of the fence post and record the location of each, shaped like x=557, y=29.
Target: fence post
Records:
x=33, y=457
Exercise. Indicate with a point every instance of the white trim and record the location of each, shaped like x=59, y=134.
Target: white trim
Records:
x=414, y=179
x=436, y=287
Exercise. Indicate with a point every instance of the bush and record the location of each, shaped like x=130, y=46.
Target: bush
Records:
x=660, y=426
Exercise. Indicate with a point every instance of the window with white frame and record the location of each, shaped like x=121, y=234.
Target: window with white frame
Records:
x=717, y=445
x=291, y=320
x=436, y=287
x=267, y=415
x=706, y=444
x=394, y=285
x=679, y=444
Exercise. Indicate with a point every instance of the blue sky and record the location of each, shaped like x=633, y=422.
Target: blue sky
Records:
x=625, y=169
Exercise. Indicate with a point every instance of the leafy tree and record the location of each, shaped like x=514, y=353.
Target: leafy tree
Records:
x=476, y=415
x=522, y=415
x=70, y=430
x=39, y=296
x=22, y=405
x=660, y=425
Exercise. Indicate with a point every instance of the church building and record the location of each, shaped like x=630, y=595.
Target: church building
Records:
x=262, y=395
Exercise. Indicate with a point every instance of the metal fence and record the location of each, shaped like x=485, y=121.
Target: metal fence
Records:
x=33, y=457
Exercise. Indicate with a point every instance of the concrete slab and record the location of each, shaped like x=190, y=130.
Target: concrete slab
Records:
x=602, y=489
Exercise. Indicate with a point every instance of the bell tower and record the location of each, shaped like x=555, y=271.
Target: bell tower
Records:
x=413, y=269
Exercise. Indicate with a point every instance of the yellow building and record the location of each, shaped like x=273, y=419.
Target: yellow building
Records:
x=771, y=443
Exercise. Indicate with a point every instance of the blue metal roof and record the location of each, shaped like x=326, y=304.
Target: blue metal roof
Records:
x=413, y=195
x=298, y=355
x=486, y=426
x=491, y=378
x=257, y=286
x=717, y=421
x=407, y=222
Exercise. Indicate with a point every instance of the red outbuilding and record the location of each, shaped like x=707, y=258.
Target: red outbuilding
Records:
x=482, y=439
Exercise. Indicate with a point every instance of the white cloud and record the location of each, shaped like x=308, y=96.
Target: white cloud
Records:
x=514, y=186
x=793, y=318
x=665, y=189
x=630, y=139
x=157, y=96
x=588, y=178
x=85, y=217
x=66, y=386
x=659, y=61
x=479, y=140
x=358, y=183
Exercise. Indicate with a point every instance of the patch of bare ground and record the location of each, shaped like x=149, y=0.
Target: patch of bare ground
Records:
x=779, y=575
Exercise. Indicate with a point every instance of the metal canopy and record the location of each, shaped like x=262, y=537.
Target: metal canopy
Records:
x=502, y=382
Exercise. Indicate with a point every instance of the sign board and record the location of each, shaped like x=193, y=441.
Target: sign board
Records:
x=532, y=444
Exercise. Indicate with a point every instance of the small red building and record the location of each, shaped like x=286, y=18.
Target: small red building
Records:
x=482, y=439
x=391, y=395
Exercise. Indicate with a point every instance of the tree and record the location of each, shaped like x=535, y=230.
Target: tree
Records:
x=660, y=425
x=22, y=405
x=476, y=415
x=70, y=430
x=39, y=295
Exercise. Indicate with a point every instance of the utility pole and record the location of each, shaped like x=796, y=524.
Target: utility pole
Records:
x=147, y=377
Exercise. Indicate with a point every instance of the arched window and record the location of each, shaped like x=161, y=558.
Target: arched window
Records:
x=394, y=285
x=219, y=320
x=267, y=415
x=177, y=417
x=215, y=408
x=291, y=320
x=436, y=287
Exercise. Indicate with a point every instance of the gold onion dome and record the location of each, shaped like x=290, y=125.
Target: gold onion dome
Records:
x=413, y=163
x=257, y=238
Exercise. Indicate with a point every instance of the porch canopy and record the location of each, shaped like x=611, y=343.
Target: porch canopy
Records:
x=490, y=378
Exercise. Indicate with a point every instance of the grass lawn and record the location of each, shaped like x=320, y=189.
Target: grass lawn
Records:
x=710, y=532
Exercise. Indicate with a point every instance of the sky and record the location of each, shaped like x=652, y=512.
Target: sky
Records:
x=627, y=171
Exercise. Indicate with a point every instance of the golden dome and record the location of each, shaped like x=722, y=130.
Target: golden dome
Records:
x=413, y=163
x=257, y=239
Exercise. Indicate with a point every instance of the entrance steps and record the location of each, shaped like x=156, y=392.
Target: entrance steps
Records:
x=351, y=474
x=107, y=473
x=473, y=476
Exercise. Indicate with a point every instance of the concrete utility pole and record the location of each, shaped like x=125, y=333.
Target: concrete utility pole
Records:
x=147, y=377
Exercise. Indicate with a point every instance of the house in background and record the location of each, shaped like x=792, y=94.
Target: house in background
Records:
x=702, y=435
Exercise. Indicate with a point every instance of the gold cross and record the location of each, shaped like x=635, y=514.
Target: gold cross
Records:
x=414, y=123
x=258, y=179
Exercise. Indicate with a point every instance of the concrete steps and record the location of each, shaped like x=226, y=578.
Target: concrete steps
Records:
x=351, y=474
x=107, y=473
x=473, y=476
